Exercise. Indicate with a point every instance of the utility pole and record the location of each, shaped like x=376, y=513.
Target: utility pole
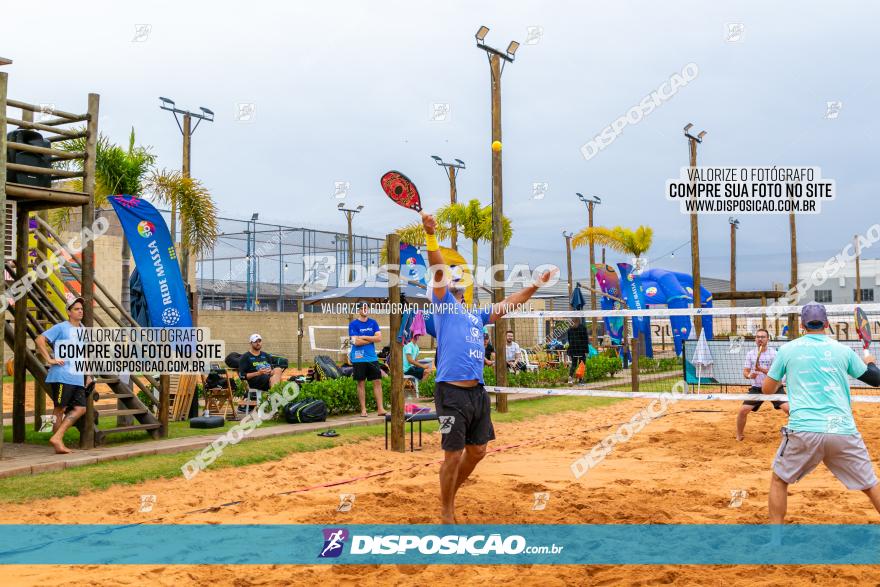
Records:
x=858, y=296
x=792, y=232
x=451, y=172
x=349, y=215
x=496, y=67
x=693, y=141
x=734, y=226
x=186, y=129
x=590, y=202
x=567, y=236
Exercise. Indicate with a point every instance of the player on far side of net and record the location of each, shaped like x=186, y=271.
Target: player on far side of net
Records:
x=461, y=402
x=755, y=368
x=820, y=427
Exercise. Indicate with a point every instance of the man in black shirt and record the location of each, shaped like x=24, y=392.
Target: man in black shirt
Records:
x=256, y=366
x=488, y=351
x=578, y=346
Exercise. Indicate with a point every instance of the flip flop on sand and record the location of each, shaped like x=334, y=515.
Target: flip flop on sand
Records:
x=329, y=434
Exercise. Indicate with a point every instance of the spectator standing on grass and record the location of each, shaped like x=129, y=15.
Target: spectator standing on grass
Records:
x=364, y=333
x=67, y=389
x=513, y=354
x=578, y=346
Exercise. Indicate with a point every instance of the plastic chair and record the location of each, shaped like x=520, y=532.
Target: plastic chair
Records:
x=529, y=365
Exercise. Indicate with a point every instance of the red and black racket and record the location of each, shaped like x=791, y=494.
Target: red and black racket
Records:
x=402, y=190
x=863, y=327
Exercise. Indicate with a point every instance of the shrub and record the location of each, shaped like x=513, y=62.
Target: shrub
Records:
x=340, y=394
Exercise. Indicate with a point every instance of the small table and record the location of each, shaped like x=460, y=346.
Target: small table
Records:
x=418, y=417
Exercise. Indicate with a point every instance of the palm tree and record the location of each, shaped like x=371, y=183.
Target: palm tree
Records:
x=117, y=171
x=475, y=223
x=473, y=220
x=620, y=239
x=198, y=213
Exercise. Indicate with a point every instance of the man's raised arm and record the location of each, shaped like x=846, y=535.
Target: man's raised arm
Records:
x=435, y=259
x=520, y=297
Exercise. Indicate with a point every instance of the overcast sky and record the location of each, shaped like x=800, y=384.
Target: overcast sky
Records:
x=343, y=91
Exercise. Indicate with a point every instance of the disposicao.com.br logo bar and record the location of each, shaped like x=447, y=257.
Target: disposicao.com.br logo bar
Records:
x=434, y=544
x=428, y=544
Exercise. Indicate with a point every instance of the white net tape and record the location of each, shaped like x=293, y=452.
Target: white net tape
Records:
x=871, y=399
x=666, y=312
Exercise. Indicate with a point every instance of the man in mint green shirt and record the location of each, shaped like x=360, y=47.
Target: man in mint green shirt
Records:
x=820, y=424
x=411, y=364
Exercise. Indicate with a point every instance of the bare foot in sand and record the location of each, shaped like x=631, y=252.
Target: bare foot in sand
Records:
x=740, y=438
x=448, y=519
x=59, y=447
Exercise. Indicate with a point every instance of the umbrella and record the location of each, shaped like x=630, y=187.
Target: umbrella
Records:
x=577, y=298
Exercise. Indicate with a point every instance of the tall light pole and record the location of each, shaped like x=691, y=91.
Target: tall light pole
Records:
x=693, y=141
x=187, y=130
x=734, y=226
x=451, y=172
x=252, y=260
x=567, y=236
x=590, y=202
x=349, y=214
x=496, y=57
x=858, y=297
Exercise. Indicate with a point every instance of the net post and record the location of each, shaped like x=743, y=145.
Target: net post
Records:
x=634, y=364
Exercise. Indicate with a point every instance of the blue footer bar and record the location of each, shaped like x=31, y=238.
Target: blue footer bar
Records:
x=618, y=544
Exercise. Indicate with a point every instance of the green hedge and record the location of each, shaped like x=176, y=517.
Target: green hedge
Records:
x=340, y=394
x=597, y=368
x=648, y=365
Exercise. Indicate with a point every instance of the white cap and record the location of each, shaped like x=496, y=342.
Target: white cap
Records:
x=255, y=337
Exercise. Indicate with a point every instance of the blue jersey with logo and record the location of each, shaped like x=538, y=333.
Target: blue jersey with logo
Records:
x=63, y=373
x=459, y=339
x=365, y=353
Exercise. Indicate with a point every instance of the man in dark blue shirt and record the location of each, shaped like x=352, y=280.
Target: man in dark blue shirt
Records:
x=461, y=402
x=365, y=333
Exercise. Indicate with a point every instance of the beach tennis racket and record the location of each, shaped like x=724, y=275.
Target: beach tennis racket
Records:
x=863, y=327
x=401, y=190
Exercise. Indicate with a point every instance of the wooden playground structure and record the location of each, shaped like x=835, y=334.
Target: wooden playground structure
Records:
x=35, y=312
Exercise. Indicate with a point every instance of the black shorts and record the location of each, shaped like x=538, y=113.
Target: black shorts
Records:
x=415, y=371
x=469, y=409
x=364, y=371
x=757, y=405
x=260, y=382
x=67, y=396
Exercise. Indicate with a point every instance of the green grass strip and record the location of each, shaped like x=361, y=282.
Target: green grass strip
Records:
x=74, y=481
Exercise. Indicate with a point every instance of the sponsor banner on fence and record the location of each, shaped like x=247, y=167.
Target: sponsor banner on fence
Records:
x=628, y=544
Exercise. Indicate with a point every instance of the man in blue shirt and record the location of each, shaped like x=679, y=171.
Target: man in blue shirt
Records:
x=67, y=389
x=461, y=402
x=365, y=333
x=820, y=424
